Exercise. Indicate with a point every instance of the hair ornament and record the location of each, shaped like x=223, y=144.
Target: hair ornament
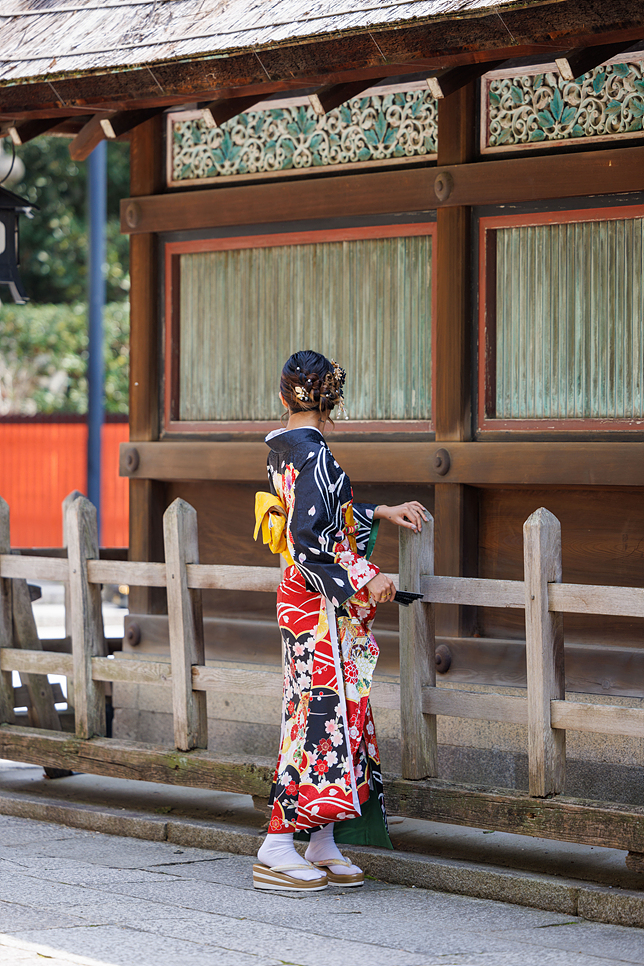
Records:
x=304, y=395
x=339, y=376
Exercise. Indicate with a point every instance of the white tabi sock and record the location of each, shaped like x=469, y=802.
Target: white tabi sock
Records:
x=322, y=848
x=278, y=849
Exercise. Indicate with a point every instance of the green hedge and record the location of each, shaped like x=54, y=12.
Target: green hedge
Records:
x=43, y=358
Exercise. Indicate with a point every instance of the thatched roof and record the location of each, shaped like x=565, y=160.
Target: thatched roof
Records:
x=42, y=39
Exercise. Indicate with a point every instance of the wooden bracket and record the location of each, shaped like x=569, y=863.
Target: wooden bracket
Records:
x=216, y=113
x=22, y=133
x=453, y=78
x=581, y=60
x=125, y=121
x=333, y=95
x=87, y=138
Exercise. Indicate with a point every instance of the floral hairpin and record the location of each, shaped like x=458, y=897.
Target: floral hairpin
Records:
x=339, y=376
x=304, y=395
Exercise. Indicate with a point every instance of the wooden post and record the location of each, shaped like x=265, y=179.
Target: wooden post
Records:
x=185, y=626
x=417, y=657
x=544, y=653
x=147, y=497
x=42, y=709
x=67, y=502
x=455, y=505
x=6, y=620
x=88, y=639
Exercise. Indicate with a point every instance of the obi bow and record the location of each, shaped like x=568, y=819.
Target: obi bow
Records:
x=271, y=516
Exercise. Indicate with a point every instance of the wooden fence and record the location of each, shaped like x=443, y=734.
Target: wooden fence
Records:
x=544, y=811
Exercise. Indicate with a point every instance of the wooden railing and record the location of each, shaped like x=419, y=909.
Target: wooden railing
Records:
x=544, y=710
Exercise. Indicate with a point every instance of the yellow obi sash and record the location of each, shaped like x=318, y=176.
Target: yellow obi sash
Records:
x=271, y=516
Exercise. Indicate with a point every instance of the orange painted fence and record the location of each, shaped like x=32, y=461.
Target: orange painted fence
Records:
x=41, y=461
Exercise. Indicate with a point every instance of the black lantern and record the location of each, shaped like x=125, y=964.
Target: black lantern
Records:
x=11, y=206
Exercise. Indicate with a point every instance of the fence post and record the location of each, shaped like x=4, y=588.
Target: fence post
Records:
x=185, y=625
x=88, y=639
x=417, y=656
x=67, y=502
x=544, y=653
x=6, y=620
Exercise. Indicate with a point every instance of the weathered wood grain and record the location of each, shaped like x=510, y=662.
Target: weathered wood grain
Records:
x=86, y=140
x=596, y=599
x=185, y=624
x=86, y=619
x=21, y=696
x=474, y=591
x=36, y=662
x=67, y=502
x=506, y=810
x=132, y=672
x=471, y=704
x=6, y=620
x=602, y=719
x=33, y=568
x=417, y=661
x=132, y=572
x=128, y=759
x=42, y=712
x=544, y=654
x=165, y=460
x=222, y=577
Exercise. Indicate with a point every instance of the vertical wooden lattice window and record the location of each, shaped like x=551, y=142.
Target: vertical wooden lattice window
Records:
x=563, y=320
x=240, y=307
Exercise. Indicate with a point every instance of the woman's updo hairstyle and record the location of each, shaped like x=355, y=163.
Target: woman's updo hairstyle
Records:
x=311, y=381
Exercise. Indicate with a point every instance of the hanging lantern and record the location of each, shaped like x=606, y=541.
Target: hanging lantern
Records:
x=11, y=207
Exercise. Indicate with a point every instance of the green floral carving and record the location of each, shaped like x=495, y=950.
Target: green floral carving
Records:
x=528, y=109
x=364, y=130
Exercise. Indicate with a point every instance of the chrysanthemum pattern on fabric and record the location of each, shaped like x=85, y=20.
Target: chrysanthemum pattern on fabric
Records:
x=329, y=760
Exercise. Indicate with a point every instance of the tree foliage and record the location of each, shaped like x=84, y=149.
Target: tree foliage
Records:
x=43, y=358
x=53, y=245
x=43, y=344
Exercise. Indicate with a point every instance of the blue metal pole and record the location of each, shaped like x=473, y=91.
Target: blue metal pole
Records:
x=97, y=217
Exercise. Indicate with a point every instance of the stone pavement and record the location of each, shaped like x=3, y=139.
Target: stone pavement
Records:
x=560, y=877
x=73, y=896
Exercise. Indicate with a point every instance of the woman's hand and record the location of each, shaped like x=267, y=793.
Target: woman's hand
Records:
x=408, y=515
x=381, y=588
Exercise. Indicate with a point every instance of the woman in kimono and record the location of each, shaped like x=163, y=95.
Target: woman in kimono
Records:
x=328, y=772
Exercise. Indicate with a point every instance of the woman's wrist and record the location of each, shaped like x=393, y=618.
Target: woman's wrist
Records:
x=380, y=512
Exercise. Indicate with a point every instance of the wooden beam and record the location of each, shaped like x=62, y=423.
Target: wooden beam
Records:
x=581, y=60
x=452, y=79
x=506, y=810
x=129, y=759
x=164, y=460
x=23, y=133
x=489, y=182
x=86, y=140
x=216, y=113
x=544, y=654
x=476, y=463
x=600, y=719
x=453, y=703
x=333, y=95
x=125, y=121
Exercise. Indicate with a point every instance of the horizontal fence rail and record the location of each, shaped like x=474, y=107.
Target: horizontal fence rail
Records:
x=543, y=711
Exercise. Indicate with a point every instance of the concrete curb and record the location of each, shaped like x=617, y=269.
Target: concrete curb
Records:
x=554, y=894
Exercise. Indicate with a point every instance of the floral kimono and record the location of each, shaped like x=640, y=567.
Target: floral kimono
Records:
x=329, y=767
